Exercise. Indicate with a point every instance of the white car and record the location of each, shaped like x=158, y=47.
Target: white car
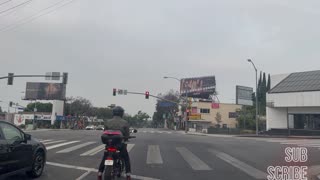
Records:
x=90, y=127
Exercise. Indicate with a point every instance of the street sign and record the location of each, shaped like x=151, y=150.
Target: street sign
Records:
x=120, y=91
x=55, y=76
x=195, y=117
x=166, y=104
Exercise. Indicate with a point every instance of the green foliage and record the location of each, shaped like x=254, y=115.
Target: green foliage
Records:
x=246, y=119
x=170, y=112
x=41, y=107
x=0, y=109
x=218, y=118
x=139, y=120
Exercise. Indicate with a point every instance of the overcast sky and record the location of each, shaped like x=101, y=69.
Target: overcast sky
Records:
x=132, y=44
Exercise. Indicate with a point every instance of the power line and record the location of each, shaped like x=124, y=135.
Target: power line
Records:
x=5, y=2
x=21, y=4
x=37, y=15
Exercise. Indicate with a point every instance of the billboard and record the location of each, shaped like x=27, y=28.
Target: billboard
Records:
x=45, y=91
x=244, y=95
x=199, y=87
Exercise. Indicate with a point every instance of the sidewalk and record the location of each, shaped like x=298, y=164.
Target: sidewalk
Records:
x=249, y=135
x=44, y=130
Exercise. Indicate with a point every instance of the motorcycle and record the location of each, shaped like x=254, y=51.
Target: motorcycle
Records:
x=114, y=163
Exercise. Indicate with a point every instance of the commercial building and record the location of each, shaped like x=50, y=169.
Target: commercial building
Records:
x=204, y=115
x=294, y=101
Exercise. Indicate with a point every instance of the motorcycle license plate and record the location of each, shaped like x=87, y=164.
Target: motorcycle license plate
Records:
x=108, y=162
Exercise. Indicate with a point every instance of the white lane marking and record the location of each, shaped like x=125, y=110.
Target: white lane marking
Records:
x=62, y=144
x=153, y=155
x=144, y=131
x=160, y=132
x=84, y=175
x=94, y=151
x=94, y=170
x=192, y=160
x=73, y=148
x=71, y=166
x=251, y=171
x=152, y=132
x=53, y=142
x=169, y=132
x=129, y=147
x=43, y=141
x=140, y=177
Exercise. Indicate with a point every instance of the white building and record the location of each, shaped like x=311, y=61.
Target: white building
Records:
x=294, y=101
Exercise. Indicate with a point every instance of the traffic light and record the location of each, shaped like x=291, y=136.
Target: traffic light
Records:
x=114, y=91
x=65, y=78
x=10, y=103
x=10, y=78
x=147, y=94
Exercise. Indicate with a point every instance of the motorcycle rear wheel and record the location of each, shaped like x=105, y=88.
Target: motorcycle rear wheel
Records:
x=108, y=173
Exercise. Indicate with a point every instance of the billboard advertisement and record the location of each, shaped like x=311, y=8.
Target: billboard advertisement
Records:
x=45, y=91
x=199, y=87
x=244, y=95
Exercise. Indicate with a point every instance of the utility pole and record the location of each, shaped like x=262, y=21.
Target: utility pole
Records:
x=257, y=123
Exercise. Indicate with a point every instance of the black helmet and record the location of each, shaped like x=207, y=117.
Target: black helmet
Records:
x=118, y=111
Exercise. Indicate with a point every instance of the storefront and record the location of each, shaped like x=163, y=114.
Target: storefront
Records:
x=294, y=101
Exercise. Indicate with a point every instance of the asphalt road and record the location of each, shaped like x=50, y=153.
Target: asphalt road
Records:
x=171, y=155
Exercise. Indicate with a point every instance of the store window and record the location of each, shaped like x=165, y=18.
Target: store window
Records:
x=205, y=111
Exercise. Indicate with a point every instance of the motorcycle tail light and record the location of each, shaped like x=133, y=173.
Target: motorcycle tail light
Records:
x=112, y=149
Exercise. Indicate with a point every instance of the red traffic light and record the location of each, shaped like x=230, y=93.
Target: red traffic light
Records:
x=147, y=94
x=114, y=91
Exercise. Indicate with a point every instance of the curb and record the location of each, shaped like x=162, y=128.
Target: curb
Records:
x=318, y=176
x=292, y=137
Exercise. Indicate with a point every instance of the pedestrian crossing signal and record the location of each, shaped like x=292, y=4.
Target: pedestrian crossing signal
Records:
x=147, y=94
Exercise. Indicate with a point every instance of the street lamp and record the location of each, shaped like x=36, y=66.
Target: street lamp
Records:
x=257, y=127
x=186, y=96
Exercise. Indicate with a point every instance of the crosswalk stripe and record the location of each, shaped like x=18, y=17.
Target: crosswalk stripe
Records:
x=192, y=160
x=160, y=132
x=144, y=131
x=152, y=132
x=75, y=147
x=153, y=155
x=53, y=142
x=251, y=171
x=43, y=141
x=129, y=147
x=94, y=151
x=62, y=144
x=169, y=132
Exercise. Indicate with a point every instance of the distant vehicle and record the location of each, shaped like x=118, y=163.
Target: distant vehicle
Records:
x=100, y=127
x=133, y=130
x=19, y=153
x=90, y=127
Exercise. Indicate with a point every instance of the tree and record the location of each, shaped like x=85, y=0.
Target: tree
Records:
x=41, y=107
x=168, y=111
x=0, y=109
x=269, y=83
x=139, y=120
x=79, y=106
x=218, y=118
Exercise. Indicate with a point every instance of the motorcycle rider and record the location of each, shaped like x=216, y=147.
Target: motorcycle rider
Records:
x=117, y=123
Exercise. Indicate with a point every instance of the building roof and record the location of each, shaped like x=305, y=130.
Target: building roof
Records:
x=299, y=82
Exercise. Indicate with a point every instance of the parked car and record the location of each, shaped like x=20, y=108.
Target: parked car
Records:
x=90, y=127
x=100, y=127
x=20, y=153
